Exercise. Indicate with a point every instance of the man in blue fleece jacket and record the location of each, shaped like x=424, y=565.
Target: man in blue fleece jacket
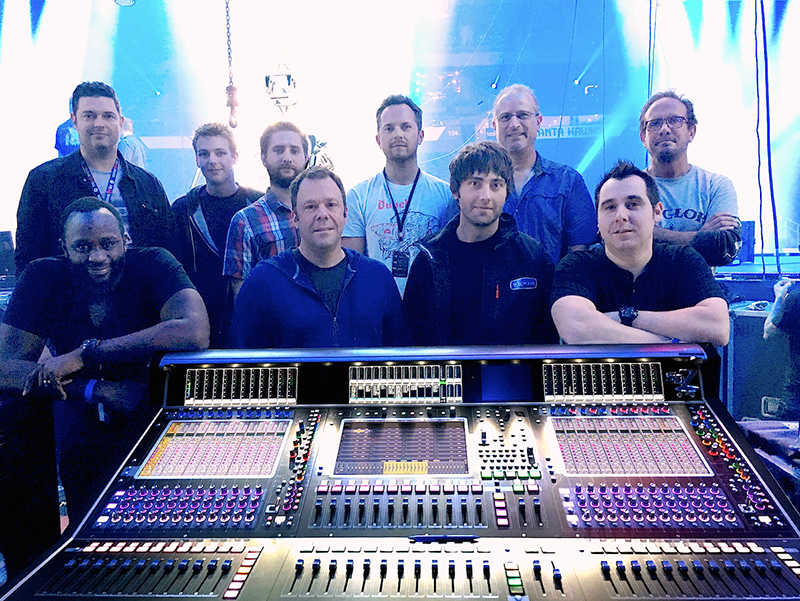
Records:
x=318, y=294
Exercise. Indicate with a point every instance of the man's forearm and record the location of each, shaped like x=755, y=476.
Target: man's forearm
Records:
x=673, y=237
x=692, y=324
x=172, y=335
x=580, y=323
x=14, y=373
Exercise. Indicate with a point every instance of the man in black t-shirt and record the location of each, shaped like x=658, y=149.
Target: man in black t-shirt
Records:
x=103, y=309
x=480, y=280
x=630, y=290
x=202, y=220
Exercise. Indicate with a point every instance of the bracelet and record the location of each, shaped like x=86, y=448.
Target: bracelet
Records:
x=89, y=390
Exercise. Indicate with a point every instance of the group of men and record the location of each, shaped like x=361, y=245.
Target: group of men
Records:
x=507, y=253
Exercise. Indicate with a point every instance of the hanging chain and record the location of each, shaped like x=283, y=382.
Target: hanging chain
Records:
x=231, y=89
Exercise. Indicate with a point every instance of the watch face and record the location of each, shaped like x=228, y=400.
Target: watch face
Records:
x=627, y=315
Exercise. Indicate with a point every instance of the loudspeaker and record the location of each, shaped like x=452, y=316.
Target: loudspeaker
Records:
x=752, y=367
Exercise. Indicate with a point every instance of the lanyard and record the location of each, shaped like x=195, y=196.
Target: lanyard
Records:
x=112, y=179
x=401, y=222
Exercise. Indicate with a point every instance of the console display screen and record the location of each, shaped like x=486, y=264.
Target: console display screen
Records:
x=402, y=448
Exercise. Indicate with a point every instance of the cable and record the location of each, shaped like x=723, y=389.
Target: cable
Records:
x=651, y=55
x=603, y=93
x=769, y=141
x=566, y=78
x=524, y=45
x=488, y=29
x=758, y=147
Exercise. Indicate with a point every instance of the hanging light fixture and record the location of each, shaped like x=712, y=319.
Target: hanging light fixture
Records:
x=125, y=2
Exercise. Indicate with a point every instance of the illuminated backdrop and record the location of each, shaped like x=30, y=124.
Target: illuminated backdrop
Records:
x=591, y=62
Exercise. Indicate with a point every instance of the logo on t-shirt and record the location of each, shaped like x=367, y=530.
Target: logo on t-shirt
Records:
x=417, y=226
x=523, y=284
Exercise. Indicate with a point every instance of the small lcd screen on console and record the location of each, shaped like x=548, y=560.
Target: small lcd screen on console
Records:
x=217, y=448
x=406, y=447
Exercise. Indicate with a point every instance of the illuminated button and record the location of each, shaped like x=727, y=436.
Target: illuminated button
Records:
x=502, y=522
x=518, y=489
x=535, y=474
x=498, y=475
x=498, y=496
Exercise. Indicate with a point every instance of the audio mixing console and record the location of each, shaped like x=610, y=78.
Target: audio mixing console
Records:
x=486, y=473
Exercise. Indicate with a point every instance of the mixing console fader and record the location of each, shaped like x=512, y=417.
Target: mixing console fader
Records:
x=487, y=473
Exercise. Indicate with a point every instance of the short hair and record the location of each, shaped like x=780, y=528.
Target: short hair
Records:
x=623, y=170
x=516, y=88
x=481, y=157
x=215, y=129
x=89, y=204
x=691, y=118
x=282, y=126
x=396, y=99
x=91, y=89
x=315, y=172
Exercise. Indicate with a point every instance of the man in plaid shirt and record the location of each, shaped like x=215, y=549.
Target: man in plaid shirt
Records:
x=266, y=228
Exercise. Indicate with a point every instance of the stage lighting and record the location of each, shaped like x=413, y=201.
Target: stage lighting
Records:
x=280, y=87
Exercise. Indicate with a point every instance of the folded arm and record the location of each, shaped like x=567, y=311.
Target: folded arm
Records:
x=579, y=322
x=184, y=326
x=707, y=321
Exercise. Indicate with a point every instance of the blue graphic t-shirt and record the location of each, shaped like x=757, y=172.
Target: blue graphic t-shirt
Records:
x=370, y=215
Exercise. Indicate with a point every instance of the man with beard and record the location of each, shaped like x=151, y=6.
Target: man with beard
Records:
x=202, y=220
x=103, y=309
x=266, y=228
x=393, y=210
x=700, y=207
x=551, y=203
x=97, y=170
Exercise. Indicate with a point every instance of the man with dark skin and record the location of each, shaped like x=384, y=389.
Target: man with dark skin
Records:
x=103, y=309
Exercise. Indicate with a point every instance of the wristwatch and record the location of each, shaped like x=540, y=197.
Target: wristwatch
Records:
x=627, y=315
x=87, y=351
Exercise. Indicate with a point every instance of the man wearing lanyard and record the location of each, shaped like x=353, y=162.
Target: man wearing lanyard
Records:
x=390, y=212
x=96, y=170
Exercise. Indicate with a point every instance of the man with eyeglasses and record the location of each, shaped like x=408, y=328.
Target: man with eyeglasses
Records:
x=700, y=207
x=103, y=309
x=552, y=203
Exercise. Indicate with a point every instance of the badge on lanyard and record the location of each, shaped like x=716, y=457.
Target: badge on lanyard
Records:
x=400, y=264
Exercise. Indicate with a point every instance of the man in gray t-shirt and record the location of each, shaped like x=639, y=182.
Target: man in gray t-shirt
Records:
x=700, y=207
